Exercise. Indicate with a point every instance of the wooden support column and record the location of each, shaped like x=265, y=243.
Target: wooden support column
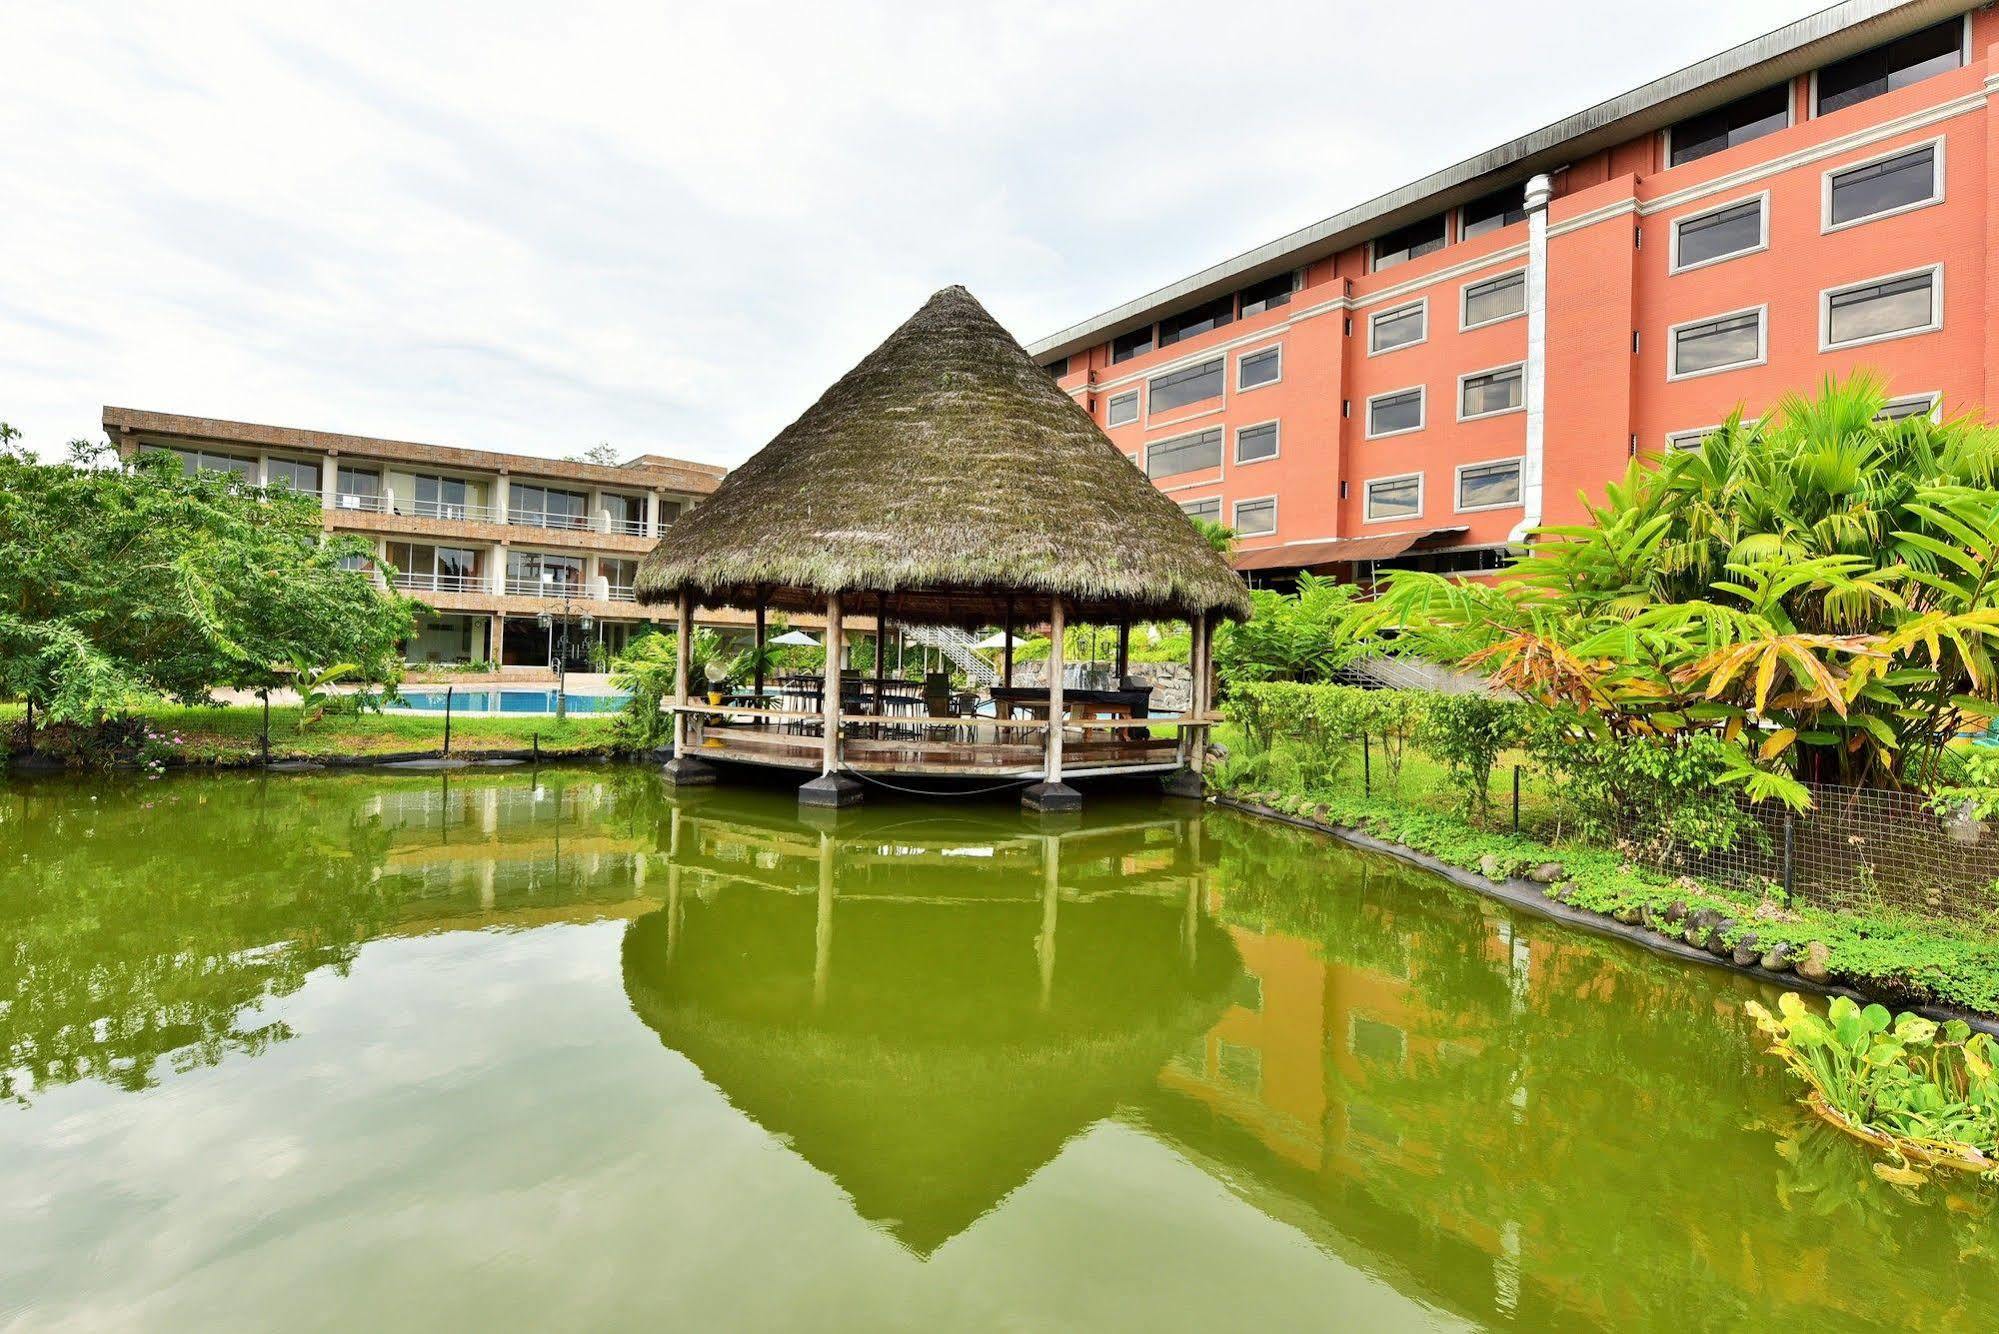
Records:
x=1006, y=649
x=831, y=787
x=881, y=647
x=1051, y=793
x=683, y=770
x=1123, y=650
x=758, y=668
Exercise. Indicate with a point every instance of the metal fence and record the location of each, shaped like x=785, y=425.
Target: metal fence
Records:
x=1856, y=848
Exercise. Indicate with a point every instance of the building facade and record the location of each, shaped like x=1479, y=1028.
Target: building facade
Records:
x=507, y=550
x=1418, y=380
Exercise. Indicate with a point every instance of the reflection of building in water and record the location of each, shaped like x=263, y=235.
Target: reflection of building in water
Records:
x=927, y=1007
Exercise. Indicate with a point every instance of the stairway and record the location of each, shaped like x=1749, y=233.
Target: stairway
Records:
x=960, y=648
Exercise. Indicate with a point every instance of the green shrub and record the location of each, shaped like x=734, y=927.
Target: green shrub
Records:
x=1665, y=794
x=1467, y=734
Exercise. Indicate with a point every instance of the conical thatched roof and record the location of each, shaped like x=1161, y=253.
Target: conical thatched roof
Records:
x=946, y=471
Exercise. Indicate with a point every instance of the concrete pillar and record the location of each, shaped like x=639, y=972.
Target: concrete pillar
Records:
x=1051, y=793
x=1534, y=387
x=831, y=787
x=329, y=479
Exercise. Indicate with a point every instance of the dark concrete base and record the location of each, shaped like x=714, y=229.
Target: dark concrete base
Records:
x=1185, y=783
x=687, y=772
x=831, y=790
x=1051, y=797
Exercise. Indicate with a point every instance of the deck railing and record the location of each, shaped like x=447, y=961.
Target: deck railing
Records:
x=442, y=583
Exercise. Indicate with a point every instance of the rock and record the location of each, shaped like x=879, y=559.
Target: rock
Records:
x=1629, y=916
x=1745, y=952
x=1492, y=866
x=1815, y=964
x=1777, y=958
x=1717, y=938
x=1547, y=873
x=1676, y=910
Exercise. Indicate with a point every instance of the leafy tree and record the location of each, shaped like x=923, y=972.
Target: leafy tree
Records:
x=1219, y=536
x=123, y=582
x=1303, y=636
x=599, y=453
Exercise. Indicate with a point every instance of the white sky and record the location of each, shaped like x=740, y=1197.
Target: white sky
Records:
x=535, y=227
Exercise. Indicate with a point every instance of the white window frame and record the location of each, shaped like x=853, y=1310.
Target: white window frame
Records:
x=1673, y=264
x=1145, y=457
x=1367, y=498
x=1464, y=301
x=1235, y=443
x=1241, y=357
x=1420, y=303
x=1934, y=398
x=1201, y=500
x=1936, y=309
x=1762, y=357
x=1235, y=511
x=1964, y=57
x=1422, y=393
x=1200, y=407
x=1790, y=122
x=1936, y=146
x=1699, y=433
x=1458, y=485
x=1520, y=366
x=1137, y=396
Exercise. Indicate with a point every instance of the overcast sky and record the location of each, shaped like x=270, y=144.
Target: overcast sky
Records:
x=535, y=227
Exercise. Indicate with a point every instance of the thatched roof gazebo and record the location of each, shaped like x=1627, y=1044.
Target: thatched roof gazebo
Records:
x=944, y=481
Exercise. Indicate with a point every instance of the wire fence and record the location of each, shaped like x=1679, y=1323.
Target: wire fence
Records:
x=1855, y=849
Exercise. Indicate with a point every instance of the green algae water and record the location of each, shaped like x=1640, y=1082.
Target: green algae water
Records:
x=518, y=1048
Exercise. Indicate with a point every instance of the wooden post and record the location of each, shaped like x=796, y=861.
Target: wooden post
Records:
x=830, y=754
x=1123, y=650
x=1006, y=649
x=881, y=653
x=1055, y=646
x=822, y=933
x=684, y=637
x=1197, y=750
x=759, y=657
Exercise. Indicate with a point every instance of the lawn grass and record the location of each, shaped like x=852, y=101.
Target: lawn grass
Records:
x=229, y=735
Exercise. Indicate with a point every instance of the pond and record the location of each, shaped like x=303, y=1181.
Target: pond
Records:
x=556, y=1047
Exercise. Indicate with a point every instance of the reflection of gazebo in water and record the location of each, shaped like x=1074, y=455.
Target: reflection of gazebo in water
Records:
x=927, y=1016
x=947, y=481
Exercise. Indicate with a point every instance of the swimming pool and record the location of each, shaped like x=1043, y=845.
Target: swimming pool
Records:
x=503, y=699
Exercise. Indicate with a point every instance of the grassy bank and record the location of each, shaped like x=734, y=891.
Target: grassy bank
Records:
x=1901, y=958
x=221, y=736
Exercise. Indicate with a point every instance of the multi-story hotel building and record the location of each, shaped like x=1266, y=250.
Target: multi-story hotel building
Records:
x=497, y=545
x=1422, y=377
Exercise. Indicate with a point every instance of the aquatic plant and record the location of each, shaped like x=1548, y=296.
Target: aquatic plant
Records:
x=1924, y=1092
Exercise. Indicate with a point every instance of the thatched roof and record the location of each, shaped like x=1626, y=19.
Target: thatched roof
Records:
x=946, y=471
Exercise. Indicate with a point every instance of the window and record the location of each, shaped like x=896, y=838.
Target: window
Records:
x=627, y=514
x=1190, y=453
x=1122, y=410
x=1722, y=233
x=1404, y=326
x=1884, y=188
x=1892, y=65
x=1916, y=405
x=1894, y=307
x=358, y=490
x=1209, y=315
x=298, y=474
x=1489, y=486
x=1373, y=1040
x=440, y=497
x=1256, y=518
x=1264, y=366
x=1057, y=368
x=1253, y=444
x=1392, y=414
x=201, y=460
x=1128, y=345
x=1488, y=213
x=1689, y=439
x=1177, y=389
x=1744, y=119
x=1495, y=299
x=1395, y=498
x=669, y=511
x=1268, y=294
x=1209, y=509
x=1717, y=344
x=1421, y=237
x=530, y=572
x=546, y=507
x=1489, y=393
x=619, y=575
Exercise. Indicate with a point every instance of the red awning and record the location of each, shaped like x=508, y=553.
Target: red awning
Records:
x=1336, y=551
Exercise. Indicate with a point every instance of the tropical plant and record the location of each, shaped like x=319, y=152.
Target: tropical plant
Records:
x=1218, y=535
x=1303, y=636
x=647, y=670
x=1820, y=588
x=311, y=684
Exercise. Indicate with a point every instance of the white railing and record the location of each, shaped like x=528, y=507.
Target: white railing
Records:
x=960, y=648
x=444, y=509
x=348, y=500
x=443, y=583
x=546, y=588
x=629, y=527
x=622, y=593
x=581, y=523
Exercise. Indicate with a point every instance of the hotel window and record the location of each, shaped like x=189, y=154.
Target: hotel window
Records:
x=1256, y=518
x=1495, y=299
x=440, y=497
x=670, y=511
x=1488, y=213
x=200, y=460
x=1209, y=509
x=1190, y=453
x=1887, y=308
x=1882, y=189
x=1268, y=294
x=1056, y=368
x=546, y=507
x=1718, y=344
x=1392, y=414
x=1722, y=233
x=1683, y=440
x=627, y=514
x=1122, y=410
x=1487, y=486
x=528, y=572
x=1193, y=384
x=1892, y=65
x=1128, y=345
x=1490, y=393
x=1422, y=237
x=1395, y=498
x=619, y=575
x=1209, y=315
x=1259, y=368
x=298, y=474
x=1746, y=118
x=1916, y=405
x=358, y=490
x=1253, y=444
x=1404, y=326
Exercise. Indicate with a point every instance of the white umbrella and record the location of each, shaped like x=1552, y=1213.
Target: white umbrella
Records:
x=797, y=637
x=997, y=639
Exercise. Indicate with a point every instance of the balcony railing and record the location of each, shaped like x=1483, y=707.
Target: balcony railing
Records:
x=546, y=588
x=349, y=500
x=442, y=583
x=445, y=509
x=581, y=523
x=623, y=593
x=629, y=527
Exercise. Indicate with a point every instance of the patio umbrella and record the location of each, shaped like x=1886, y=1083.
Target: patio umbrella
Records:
x=797, y=637
x=997, y=639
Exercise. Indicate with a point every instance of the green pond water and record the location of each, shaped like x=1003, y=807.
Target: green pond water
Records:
x=511, y=1049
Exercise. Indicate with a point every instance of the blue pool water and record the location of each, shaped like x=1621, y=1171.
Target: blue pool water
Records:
x=504, y=699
